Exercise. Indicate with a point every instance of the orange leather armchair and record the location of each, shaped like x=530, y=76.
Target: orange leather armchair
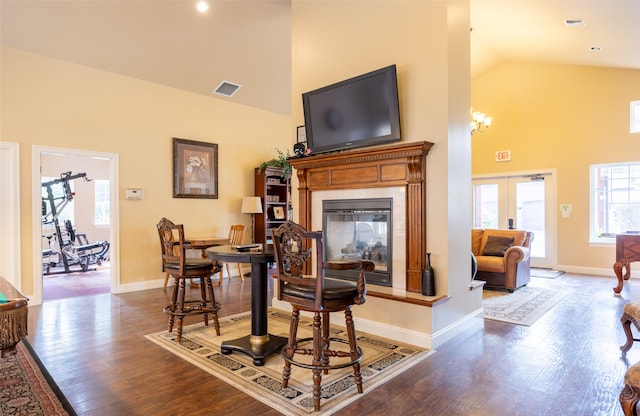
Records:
x=503, y=257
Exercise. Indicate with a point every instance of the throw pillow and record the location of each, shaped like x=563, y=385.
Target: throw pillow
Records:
x=496, y=246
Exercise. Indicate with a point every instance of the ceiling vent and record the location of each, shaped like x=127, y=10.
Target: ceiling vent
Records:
x=226, y=88
x=574, y=22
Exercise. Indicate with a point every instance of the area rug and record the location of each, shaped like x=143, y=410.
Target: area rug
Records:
x=383, y=360
x=26, y=388
x=545, y=273
x=522, y=307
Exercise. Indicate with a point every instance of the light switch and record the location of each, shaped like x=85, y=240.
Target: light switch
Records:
x=565, y=210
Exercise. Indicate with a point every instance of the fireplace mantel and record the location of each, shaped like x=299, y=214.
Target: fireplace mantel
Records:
x=385, y=166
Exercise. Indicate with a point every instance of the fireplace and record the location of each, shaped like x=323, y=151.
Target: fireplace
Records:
x=359, y=229
x=393, y=168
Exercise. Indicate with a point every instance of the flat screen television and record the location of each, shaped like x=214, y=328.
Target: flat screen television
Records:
x=357, y=112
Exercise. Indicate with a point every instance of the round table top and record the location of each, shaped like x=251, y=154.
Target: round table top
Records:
x=230, y=254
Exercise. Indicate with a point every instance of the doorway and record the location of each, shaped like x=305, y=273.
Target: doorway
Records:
x=65, y=160
x=520, y=201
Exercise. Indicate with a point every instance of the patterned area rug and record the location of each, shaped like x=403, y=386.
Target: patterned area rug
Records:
x=383, y=360
x=26, y=388
x=523, y=307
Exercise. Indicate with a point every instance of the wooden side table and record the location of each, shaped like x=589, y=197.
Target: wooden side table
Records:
x=627, y=251
x=13, y=316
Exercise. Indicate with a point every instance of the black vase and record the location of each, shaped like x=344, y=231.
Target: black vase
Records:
x=428, y=279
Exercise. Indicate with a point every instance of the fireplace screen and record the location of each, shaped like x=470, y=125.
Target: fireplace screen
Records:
x=359, y=229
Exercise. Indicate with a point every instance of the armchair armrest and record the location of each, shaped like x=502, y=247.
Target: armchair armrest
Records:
x=516, y=267
x=515, y=255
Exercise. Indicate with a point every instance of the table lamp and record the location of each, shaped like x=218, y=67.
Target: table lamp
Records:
x=251, y=205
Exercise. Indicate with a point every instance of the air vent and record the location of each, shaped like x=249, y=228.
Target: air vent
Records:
x=226, y=88
x=574, y=22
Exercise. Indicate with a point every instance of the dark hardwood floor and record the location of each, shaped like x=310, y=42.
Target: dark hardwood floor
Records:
x=567, y=363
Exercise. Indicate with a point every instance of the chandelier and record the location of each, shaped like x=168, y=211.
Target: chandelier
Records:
x=479, y=121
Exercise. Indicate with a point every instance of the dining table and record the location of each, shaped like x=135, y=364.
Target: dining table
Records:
x=203, y=243
x=258, y=344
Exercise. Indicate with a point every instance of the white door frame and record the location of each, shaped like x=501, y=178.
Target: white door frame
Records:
x=10, y=258
x=551, y=213
x=36, y=188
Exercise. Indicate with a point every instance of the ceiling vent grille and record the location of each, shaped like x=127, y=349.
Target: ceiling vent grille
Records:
x=574, y=22
x=227, y=88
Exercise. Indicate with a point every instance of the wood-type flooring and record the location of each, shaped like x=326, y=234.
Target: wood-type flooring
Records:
x=567, y=363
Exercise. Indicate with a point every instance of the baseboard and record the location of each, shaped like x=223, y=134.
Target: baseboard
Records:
x=420, y=339
x=596, y=271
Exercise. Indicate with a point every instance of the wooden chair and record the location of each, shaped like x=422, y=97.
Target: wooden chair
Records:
x=236, y=236
x=630, y=315
x=294, y=248
x=181, y=268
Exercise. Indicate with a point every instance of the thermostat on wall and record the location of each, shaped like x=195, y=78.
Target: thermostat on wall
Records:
x=134, y=193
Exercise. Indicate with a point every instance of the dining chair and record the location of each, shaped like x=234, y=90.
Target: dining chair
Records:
x=296, y=249
x=236, y=236
x=182, y=268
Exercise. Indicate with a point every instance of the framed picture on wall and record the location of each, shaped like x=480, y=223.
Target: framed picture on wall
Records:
x=195, y=169
x=301, y=135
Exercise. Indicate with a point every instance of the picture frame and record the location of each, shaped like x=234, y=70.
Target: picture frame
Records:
x=301, y=136
x=278, y=213
x=195, y=169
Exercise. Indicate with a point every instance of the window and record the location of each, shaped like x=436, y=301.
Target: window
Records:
x=615, y=200
x=635, y=117
x=103, y=212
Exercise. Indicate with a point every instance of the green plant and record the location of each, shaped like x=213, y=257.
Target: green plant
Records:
x=278, y=162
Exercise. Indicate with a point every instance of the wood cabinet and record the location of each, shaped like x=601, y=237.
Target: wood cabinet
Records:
x=275, y=193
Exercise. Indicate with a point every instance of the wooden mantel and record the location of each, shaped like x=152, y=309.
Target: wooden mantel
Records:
x=376, y=167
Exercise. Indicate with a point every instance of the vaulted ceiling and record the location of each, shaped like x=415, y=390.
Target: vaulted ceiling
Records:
x=249, y=42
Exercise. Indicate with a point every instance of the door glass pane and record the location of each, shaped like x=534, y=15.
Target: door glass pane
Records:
x=530, y=213
x=485, y=206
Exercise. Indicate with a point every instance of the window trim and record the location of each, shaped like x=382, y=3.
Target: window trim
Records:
x=634, y=117
x=593, y=240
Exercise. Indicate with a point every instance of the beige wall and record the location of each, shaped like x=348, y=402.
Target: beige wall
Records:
x=47, y=102
x=562, y=117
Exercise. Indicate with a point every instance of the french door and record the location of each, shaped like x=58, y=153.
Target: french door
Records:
x=520, y=201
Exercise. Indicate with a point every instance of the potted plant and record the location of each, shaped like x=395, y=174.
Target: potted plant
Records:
x=278, y=162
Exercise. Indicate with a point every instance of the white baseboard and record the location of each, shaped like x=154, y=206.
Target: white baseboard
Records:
x=596, y=271
x=420, y=339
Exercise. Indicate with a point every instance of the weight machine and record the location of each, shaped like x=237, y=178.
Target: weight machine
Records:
x=67, y=247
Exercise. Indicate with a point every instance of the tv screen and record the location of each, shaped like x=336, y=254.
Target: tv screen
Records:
x=360, y=111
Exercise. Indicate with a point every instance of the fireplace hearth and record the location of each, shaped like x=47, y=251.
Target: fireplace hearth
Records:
x=359, y=229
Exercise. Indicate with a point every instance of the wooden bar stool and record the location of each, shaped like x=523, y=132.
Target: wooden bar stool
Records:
x=294, y=247
x=181, y=268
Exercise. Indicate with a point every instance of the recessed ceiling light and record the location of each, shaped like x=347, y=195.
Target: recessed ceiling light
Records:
x=202, y=6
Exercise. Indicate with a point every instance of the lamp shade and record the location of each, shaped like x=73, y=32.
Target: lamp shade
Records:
x=251, y=205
